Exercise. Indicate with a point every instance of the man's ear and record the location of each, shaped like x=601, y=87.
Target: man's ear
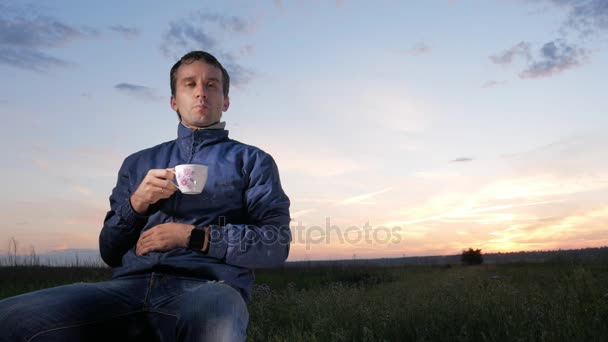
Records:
x=226, y=103
x=173, y=103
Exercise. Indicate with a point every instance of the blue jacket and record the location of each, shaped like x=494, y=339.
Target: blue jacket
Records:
x=242, y=201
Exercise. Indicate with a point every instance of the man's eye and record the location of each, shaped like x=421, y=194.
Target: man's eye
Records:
x=189, y=84
x=211, y=85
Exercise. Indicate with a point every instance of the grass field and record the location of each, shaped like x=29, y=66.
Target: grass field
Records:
x=511, y=302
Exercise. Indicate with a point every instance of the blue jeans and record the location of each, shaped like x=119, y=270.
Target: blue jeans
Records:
x=151, y=307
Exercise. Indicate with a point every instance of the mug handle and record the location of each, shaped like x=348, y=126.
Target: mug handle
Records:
x=174, y=182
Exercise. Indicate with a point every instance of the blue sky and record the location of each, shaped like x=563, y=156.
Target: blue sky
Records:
x=399, y=127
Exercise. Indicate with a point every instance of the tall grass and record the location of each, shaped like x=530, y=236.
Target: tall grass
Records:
x=505, y=303
x=513, y=302
x=15, y=280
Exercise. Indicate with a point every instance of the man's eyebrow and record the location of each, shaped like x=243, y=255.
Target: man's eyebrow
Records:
x=192, y=78
x=187, y=79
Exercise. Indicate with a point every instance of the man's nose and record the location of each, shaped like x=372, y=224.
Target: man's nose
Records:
x=201, y=91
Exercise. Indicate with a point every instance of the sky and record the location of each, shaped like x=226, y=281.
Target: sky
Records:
x=400, y=128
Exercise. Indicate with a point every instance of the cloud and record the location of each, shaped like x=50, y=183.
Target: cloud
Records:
x=23, y=34
x=128, y=32
x=490, y=84
x=246, y=50
x=184, y=36
x=239, y=75
x=587, y=17
x=138, y=91
x=418, y=49
x=583, y=228
x=463, y=159
x=203, y=31
x=505, y=200
x=542, y=186
x=522, y=49
x=281, y=4
x=227, y=23
x=555, y=57
x=30, y=59
x=35, y=32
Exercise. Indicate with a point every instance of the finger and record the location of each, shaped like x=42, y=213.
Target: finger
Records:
x=142, y=251
x=164, y=188
x=171, y=173
x=159, y=173
x=139, y=245
x=155, y=190
x=151, y=246
x=138, y=248
x=152, y=240
x=150, y=234
x=162, y=173
x=148, y=189
x=146, y=238
x=171, y=185
x=144, y=247
x=145, y=234
x=158, y=182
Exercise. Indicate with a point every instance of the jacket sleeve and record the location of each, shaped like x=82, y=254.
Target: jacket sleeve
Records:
x=122, y=224
x=264, y=240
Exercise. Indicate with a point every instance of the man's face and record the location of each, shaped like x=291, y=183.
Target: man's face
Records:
x=199, y=98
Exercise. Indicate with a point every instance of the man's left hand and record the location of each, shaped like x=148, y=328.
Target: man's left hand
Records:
x=164, y=237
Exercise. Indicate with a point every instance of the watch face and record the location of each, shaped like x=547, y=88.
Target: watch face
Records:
x=197, y=239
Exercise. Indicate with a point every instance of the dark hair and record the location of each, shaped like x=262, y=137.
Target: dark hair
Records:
x=203, y=57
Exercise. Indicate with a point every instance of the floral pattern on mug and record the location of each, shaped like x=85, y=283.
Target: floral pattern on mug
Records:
x=187, y=178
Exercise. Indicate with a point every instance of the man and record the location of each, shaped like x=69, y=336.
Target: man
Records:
x=182, y=263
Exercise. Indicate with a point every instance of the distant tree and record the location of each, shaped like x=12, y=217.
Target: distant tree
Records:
x=472, y=257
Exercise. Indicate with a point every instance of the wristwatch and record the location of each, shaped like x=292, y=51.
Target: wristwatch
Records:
x=197, y=239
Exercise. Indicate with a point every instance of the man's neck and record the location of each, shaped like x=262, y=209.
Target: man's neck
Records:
x=215, y=125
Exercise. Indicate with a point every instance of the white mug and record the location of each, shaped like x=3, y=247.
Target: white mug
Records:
x=191, y=178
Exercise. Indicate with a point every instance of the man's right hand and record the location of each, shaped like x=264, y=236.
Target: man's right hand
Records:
x=156, y=185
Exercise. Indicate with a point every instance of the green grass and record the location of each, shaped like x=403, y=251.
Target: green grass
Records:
x=533, y=302
x=516, y=302
x=15, y=280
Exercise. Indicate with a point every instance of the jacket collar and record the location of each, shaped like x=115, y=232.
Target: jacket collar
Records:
x=189, y=139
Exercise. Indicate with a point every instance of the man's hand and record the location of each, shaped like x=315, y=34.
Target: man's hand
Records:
x=156, y=185
x=164, y=237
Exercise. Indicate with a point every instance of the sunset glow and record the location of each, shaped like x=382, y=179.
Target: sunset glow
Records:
x=399, y=128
